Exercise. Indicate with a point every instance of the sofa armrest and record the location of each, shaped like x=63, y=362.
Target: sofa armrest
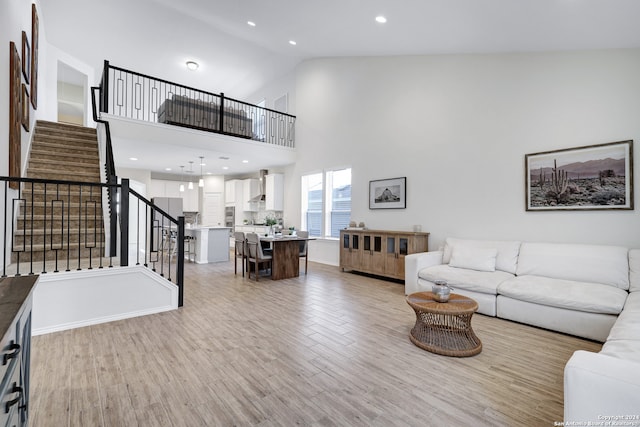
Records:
x=413, y=263
x=597, y=386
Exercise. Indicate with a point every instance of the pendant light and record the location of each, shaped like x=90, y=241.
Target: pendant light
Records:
x=201, y=180
x=181, y=179
x=191, y=172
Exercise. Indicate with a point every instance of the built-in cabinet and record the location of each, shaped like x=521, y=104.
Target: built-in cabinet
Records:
x=274, y=197
x=250, y=190
x=379, y=252
x=15, y=324
x=233, y=191
x=166, y=188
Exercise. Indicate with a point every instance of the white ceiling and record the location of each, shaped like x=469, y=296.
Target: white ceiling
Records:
x=157, y=37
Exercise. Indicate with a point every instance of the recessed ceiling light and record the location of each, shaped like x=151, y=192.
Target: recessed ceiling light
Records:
x=133, y=158
x=167, y=169
x=209, y=173
x=292, y=42
x=245, y=161
x=192, y=65
x=225, y=167
x=251, y=23
x=381, y=19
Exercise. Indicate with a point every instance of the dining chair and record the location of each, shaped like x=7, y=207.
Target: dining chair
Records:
x=240, y=251
x=255, y=255
x=304, y=248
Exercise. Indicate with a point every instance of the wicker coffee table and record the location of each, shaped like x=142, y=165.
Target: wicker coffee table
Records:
x=444, y=328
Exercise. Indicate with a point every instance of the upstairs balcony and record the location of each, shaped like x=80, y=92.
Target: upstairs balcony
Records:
x=163, y=117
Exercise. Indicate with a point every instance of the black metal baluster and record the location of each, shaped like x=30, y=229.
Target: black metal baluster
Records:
x=53, y=203
x=13, y=231
x=162, y=246
x=68, y=227
x=147, y=237
x=44, y=230
x=138, y=235
x=79, y=225
x=102, y=233
x=4, y=241
x=31, y=240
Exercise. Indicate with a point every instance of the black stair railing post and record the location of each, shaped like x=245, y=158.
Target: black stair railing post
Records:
x=180, y=278
x=104, y=101
x=124, y=222
x=112, y=180
x=221, y=112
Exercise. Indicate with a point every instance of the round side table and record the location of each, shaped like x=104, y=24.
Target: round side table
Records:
x=444, y=327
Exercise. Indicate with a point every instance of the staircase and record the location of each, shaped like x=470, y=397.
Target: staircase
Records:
x=64, y=222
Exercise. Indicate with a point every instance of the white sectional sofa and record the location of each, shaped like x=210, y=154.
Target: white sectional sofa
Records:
x=605, y=386
x=589, y=291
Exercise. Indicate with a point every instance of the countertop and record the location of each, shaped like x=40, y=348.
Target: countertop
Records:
x=207, y=227
x=14, y=291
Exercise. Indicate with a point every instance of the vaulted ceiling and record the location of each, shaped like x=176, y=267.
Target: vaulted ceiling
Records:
x=157, y=37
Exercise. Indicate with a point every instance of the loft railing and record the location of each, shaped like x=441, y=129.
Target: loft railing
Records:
x=133, y=95
x=52, y=225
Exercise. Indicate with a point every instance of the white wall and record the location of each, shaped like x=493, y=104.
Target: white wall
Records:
x=458, y=127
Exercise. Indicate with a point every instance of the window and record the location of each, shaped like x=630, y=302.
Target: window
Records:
x=326, y=202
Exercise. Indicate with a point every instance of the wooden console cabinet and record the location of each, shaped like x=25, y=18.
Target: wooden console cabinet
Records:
x=379, y=252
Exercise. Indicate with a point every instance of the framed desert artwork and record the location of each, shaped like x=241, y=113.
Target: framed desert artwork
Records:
x=594, y=177
x=15, y=113
x=388, y=193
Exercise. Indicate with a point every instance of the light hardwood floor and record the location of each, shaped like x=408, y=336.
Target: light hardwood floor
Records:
x=329, y=348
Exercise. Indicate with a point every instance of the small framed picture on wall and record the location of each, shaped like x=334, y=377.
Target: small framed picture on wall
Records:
x=388, y=193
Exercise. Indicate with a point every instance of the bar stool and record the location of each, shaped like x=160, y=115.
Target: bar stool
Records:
x=190, y=247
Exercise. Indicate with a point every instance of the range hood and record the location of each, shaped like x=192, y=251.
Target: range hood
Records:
x=263, y=187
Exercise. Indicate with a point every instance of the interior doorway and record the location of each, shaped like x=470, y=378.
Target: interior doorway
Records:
x=72, y=95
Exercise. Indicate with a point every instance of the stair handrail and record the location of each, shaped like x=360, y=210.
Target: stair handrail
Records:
x=180, y=225
x=110, y=168
x=163, y=262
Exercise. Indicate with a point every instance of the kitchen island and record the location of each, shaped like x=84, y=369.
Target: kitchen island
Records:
x=211, y=243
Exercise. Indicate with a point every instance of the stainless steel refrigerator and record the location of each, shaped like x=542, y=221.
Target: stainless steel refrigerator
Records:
x=171, y=205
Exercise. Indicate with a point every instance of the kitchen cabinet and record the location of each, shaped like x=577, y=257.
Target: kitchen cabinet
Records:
x=250, y=189
x=274, y=197
x=15, y=326
x=211, y=243
x=233, y=193
x=379, y=252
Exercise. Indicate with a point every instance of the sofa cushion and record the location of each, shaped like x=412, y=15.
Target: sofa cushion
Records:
x=623, y=349
x=506, y=257
x=459, y=278
x=481, y=259
x=568, y=294
x=627, y=327
x=634, y=270
x=607, y=265
x=633, y=302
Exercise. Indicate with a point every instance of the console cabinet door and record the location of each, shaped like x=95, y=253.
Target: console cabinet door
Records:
x=350, y=254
